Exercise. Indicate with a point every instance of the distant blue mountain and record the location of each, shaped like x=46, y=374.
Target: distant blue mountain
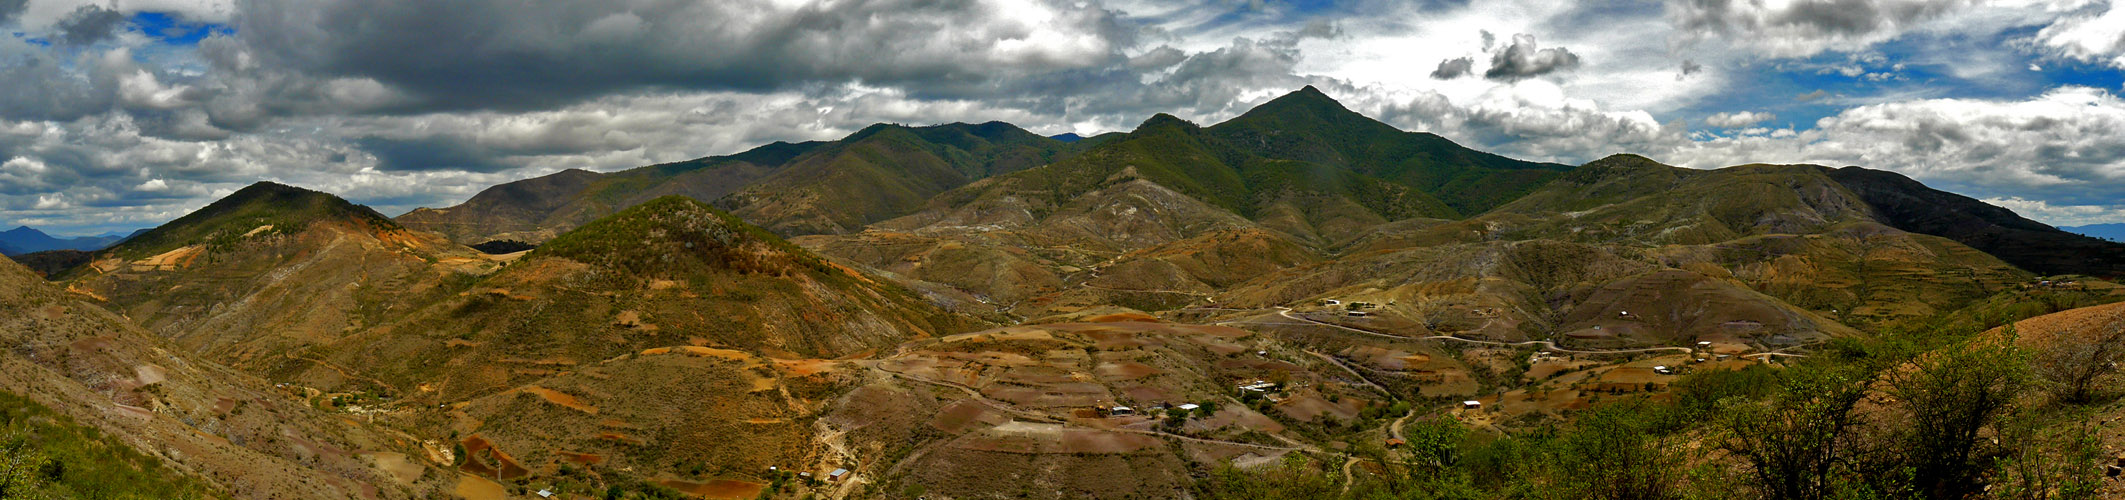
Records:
x=25, y=239
x=2112, y=232
x=1067, y=137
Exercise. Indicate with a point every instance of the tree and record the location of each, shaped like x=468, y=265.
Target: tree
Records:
x=1793, y=445
x=2044, y=464
x=22, y=469
x=1615, y=453
x=1951, y=397
x=2075, y=365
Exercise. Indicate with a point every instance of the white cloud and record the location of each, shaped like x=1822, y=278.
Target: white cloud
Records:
x=2061, y=215
x=2066, y=146
x=2095, y=34
x=1737, y=119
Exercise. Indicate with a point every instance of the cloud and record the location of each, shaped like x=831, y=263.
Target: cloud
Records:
x=90, y=24
x=1523, y=60
x=2065, y=147
x=1534, y=120
x=1454, y=68
x=2095, y=34
x=2060, y=215
x=1690, y=67
x=1799, y=28
x=577, y=51
x=11, y=9
x=1737, y=120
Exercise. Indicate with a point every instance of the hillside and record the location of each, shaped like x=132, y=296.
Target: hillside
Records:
x=1908, y=205
x=269, y=270
x=658, y=341
x=52, y=263
x=884, y=171
x=534, y=210
x=671, y=272
x=228, y=430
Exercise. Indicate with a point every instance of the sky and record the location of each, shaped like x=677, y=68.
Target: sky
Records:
x=123, y=114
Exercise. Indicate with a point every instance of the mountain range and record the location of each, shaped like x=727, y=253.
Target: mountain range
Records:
x=25, y=239
x=2112, y=232
x=977, y=311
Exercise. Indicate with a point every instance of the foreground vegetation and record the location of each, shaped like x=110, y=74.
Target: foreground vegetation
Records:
x=1936, y=410
x=44, y=455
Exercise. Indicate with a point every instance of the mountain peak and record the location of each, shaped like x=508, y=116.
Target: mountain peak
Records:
x=674, y=236
x=1162, y=121
x=279, y=208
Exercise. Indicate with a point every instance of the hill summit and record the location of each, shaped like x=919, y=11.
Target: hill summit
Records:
x=263, y=208
x=675, y=234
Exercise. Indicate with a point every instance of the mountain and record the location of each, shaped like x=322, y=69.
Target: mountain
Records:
x=270, y=269
x=24, y=239
x=881, y=172
x=2112, y=232
x=1908, y=205
x=534, y=210
x=804, y=188
x=1308, y=126
x=1318, y=169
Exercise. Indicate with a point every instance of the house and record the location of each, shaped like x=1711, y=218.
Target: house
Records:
x=1471, y=405
x=545, y=494
x=1188, y=407
x=1393, y=443
x=837, y=474
x=1257, y=386
x=1359, y=314
x=1664, y=370
x=1121, y=411
x=1331, y=302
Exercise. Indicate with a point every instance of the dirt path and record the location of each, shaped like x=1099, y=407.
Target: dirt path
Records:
x=1544, y=344
x=1353, y=372
x=1042, y=417
x=346, y=373
x=1348, y=478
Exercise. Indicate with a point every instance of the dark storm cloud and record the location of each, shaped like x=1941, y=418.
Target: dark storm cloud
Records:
x=470, y=54
x=1523, y=59
x=10, y=9
x=1802, y=27
x=89, y=24
x=1454, y=68
x=432, y=153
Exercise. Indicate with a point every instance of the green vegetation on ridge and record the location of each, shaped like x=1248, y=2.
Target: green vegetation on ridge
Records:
x=287, y=209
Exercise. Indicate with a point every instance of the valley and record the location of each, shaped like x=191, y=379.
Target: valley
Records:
x=1299, y=302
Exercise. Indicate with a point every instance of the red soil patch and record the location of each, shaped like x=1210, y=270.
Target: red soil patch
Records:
x=618, y=437
x=720, y=488
x=560, y=398
x=698, y=351
x=478, y=451
x=582, y=458
x=805, y=367
x=965, y=414
x=1128, y=370
x=1123, y=318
